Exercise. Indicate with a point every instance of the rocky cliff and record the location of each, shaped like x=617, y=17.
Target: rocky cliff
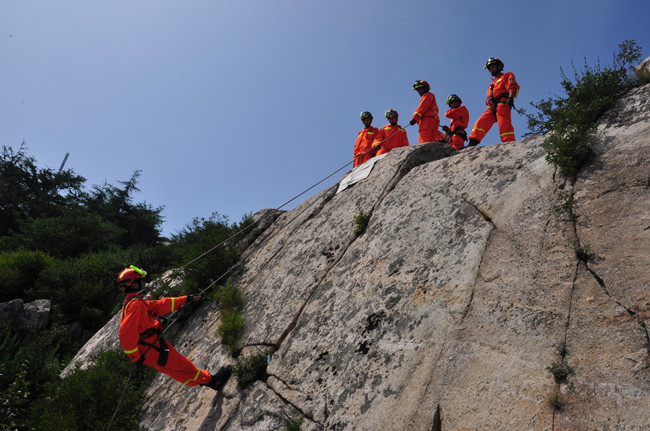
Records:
x=478, y=271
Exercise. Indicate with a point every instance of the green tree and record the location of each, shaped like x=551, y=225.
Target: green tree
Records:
x=27, y=191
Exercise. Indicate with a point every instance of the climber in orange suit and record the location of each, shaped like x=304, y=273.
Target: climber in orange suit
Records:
x=142, y=339
x=390, y=136
x=459, y=117
x=500, y=101
x=363, y=147
x=426, y=114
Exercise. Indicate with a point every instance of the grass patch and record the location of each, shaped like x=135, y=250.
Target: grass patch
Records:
x=361, y=222
x=250, y=369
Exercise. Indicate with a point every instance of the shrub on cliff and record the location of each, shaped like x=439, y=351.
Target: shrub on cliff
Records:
x=570, y=120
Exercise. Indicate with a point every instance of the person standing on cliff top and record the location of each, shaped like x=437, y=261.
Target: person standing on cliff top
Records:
x=390, y=136
x=142, y=339
x=363, y=146
x=459, y=117
x=500, y=100
x=426, y=114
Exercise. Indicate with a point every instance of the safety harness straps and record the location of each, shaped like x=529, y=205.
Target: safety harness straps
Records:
x=162, y=348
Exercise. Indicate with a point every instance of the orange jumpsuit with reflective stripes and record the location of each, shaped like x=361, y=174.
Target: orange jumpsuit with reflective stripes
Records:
x=392, y=136
x=138, y=316
x=459, y=120
x=497, y=95
x=426, y=115
x=364, y=145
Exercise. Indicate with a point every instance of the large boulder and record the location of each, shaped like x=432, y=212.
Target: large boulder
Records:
x=9, y=310
x=34, y=313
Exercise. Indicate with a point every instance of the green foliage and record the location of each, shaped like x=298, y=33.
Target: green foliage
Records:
x=570, y=120
x=73, y=233
x=231, y=327
x=28, y=361
x=249, y=369
x=19, y=271
x=293, y=424
x=642, y=77
x=566, y=205
x=83, y=289
x=230, y=296
x=139, y=223
x=87, y=399
x=556, y=400
x=41, y=209
x=200, y=236
x=231, y=330
x=63, y=243
x=361, y=222
x=29, y=192
x=559, y=371
x=14, y=401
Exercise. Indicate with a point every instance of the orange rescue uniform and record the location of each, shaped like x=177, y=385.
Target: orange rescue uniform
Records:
x=392, y=137
x=426, y=115
x=497, y=96
x=364, y=145
x=139, y=328
x=459, y=120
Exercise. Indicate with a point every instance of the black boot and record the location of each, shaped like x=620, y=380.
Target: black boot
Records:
x=472, y=142
x=219, y=379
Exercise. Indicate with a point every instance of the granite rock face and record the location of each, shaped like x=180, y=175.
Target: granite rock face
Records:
x=472, y=278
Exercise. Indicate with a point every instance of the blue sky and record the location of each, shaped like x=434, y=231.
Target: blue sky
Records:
x=235, y=106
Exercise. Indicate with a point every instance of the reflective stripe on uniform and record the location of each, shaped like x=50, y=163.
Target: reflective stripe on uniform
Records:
x=173, y=303
x=195, y=377
x=128, y=352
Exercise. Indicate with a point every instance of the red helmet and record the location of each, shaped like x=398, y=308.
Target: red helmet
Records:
x=128, y=276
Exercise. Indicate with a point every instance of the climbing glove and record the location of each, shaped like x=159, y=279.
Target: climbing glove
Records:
x=510, y=102
x=190, y=298
x=412, y=122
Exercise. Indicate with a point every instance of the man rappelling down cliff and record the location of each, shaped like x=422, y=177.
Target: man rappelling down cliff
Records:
x=141, y=333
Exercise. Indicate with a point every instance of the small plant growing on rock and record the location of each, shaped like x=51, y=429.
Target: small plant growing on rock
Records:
x=230, y=296
x=556, y=400
x=361, y=222
x=293, y=424
x=231, y=328
x=583, y=252
x=249, y=369
x=559, y=371
x=566, y=204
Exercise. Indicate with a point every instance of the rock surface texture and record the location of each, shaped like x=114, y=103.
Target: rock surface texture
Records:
x=473, y=277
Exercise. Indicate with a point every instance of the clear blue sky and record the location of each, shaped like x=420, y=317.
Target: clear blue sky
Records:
x=235, y=106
